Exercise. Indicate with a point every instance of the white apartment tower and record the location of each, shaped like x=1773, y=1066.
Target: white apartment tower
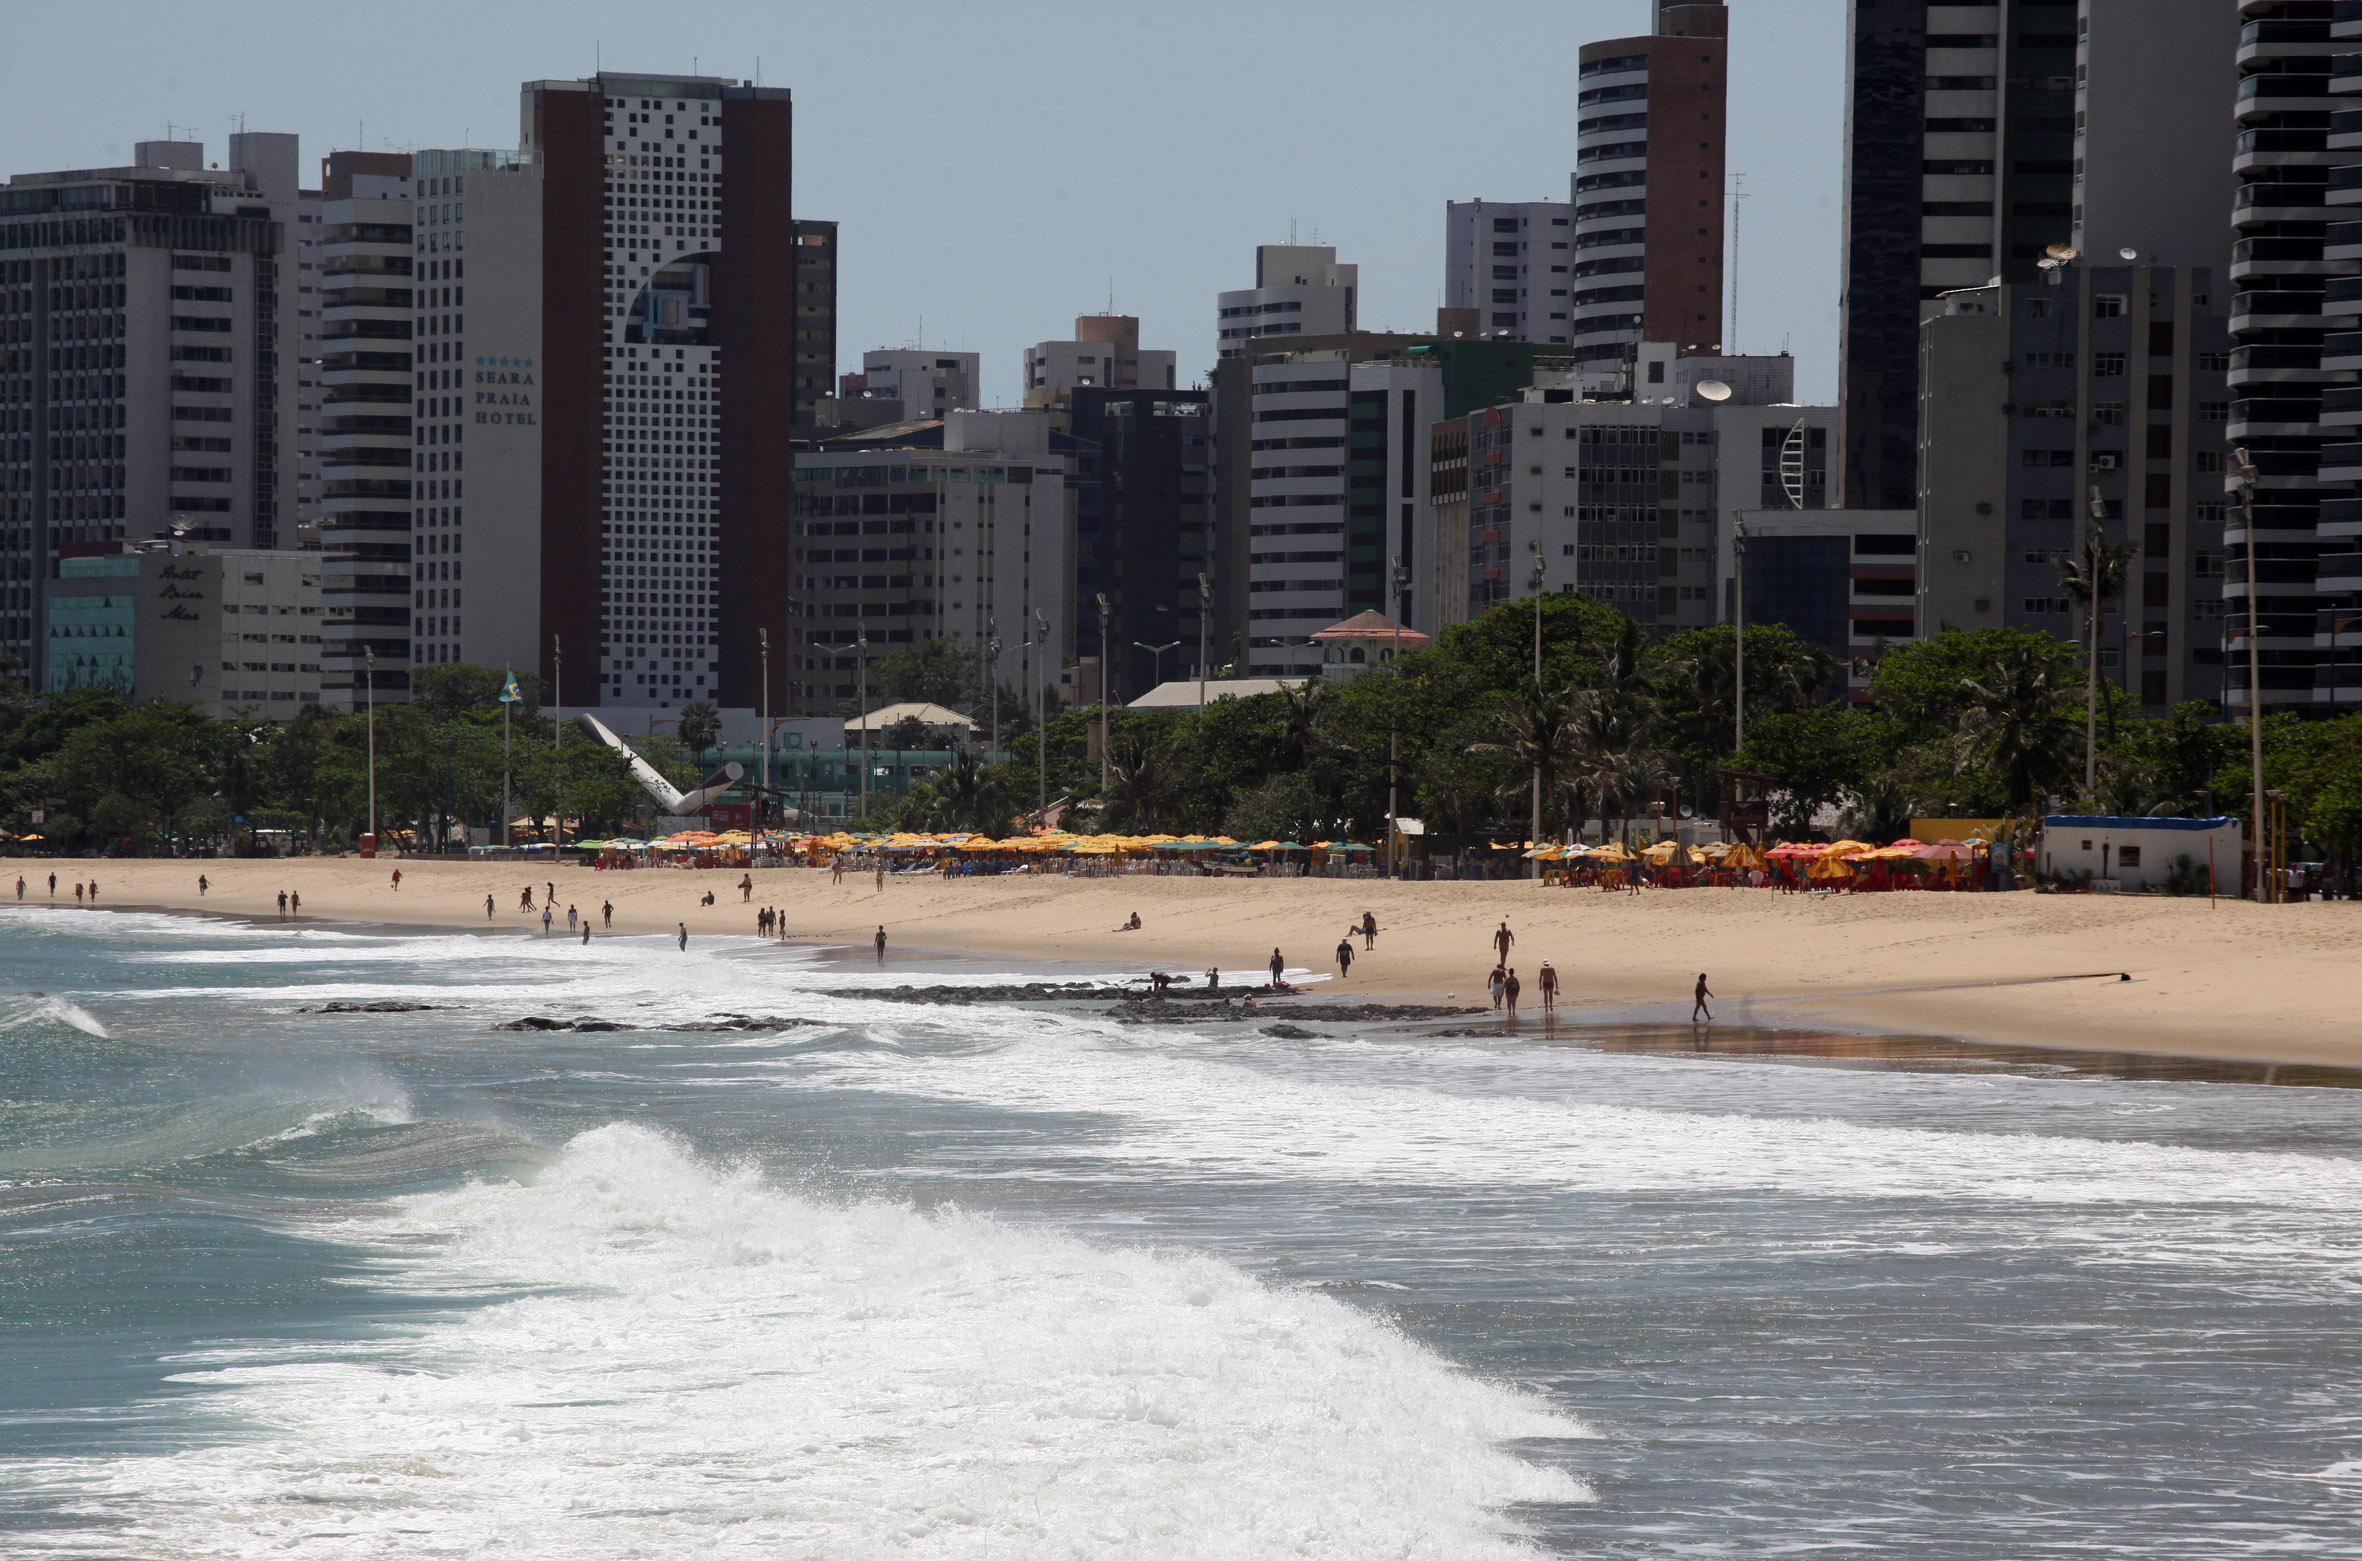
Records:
x=1509, y=261
x=1300, y=290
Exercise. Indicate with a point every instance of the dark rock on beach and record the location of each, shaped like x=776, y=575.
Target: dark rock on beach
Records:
x=382, y=1006
x=537, y=1022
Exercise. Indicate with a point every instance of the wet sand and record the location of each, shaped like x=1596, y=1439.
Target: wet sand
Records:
x=2265, y=985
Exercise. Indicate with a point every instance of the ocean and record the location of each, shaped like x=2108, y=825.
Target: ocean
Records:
x=859, y=1278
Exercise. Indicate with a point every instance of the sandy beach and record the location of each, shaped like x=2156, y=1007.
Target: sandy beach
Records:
x=2230, y=980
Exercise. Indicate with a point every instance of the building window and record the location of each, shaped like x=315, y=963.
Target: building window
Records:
x=2107, y=306
x=2107, y=365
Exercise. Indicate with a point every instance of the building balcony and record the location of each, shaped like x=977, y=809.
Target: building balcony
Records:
x=2278, y=92
x=2340, y=351
x=2267, y=257
x=2270, y=364
x=2339, y=572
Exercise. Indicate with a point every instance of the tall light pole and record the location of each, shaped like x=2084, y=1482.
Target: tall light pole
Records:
x=1041, y=710
x=508, y=704
x=2255, y=666
x=1400, y=579
x=992, y=677
x=861, y=666
x=1157, y=652
x=1205, y=612
x=1106, y=672
x=557, y=743
x=2337, y=627
x=1738, y=553
x=369, y=674
x=1534, y=832
x=2095, y=541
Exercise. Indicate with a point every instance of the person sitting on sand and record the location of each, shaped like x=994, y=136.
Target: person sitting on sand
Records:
x=1131, y=926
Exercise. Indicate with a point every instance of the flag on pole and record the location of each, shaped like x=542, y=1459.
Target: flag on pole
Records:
x=508, y=691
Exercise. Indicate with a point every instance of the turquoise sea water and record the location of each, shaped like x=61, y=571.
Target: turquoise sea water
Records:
x=1001, y=1282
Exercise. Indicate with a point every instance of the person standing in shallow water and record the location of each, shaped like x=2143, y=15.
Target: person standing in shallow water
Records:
x=684, y=932
x=1278, y=968
x=1548, y=982
x=1510, y=988
x=880, y=941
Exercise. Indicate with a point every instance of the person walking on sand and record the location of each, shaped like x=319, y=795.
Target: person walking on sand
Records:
x=746, y=887
x=77, y=891
x=487, y=907
x=1345, y=956
x=525, y=898
x=836, y=869
x=880, y=941
x=53, y=886
x=295, y=902
x=546, y=919
x=282, y=904
x=881, y=884
x=1548, y=982
x=1510, y=987
x=1278, y=968
x=397, y=880
x=552, y=896
x=1503, y=938
x=94, y=891
x=1698, y=1001
x=1369, y=930
x=1495, y=982
x=20, y=885
x=683, y=929
x=572, y=921
x=607, y=916
x=202, y=886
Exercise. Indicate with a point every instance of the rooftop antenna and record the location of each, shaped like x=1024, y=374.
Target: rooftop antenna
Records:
x=1291, y=233
x=1111, y=295
x=1738, y=194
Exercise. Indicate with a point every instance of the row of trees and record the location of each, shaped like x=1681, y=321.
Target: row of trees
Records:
x=81, y=768
x=1621, y=725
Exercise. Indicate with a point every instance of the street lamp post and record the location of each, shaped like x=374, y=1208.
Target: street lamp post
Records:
x=1106, y=671
x=1157, y=655
x=1205, y=612
x=369, y=676
x=1041, y=710
x=1534, y=829
x=763, y=637
x=2255, y=664
x=992, y=678
x=1738, y=571
x=861, y=667
x=557, y=744
x=1400, y=579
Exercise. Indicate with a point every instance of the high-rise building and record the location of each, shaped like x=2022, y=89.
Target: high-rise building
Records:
x=362, y=429
x=146, y=379
x=2106, y=386
x=1144, y=528
x=2294, y=405
x=608, y=358
x=925, y=384
x=1648, y=207
x=1105, y=353
x=1510, y=262
x=236, y=630
x=1300, y=290
x=816, y=318
x=1978, y=137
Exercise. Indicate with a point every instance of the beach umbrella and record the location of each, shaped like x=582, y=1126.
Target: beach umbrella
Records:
x=1611, y=852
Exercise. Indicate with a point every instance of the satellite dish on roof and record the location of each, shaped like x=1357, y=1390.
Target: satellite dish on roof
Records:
x=2128, y=253
x=2059, y=251
x=1711, y=390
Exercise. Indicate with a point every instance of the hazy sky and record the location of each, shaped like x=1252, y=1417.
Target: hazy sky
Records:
x=999, y=168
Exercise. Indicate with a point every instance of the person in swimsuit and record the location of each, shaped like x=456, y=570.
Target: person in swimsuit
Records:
x=1698, y=1001
x=487, y=907
x=607, y=916
x=684, y=932
x=1278, y=967
x=1510, y=987
x=1495, y=982
x=1369, y=930
x=1502, y=940
x=1345, y=955
x=880, y=941
x=1548, y=981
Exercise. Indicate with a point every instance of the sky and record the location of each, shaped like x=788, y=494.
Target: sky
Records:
x=1000, y=168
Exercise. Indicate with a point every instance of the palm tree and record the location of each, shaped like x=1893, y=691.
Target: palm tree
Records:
x=700, y=727
x=2015, y=724
x=2094, y=575
x=974, y=796
x=1537, y=727
x=1147, y=772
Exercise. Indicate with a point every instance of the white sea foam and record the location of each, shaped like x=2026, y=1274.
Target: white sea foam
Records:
x=709, y=1364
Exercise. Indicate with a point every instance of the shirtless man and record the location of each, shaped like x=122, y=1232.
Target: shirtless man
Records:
x=1502, y=940
x=1548, y=982
x=746, y=887
x=1698, y=1001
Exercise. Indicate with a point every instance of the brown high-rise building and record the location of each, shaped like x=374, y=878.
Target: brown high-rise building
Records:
x=1648, y=228
x=609, y=332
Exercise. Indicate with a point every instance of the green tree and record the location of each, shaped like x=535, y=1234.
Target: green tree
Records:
x=2015, y=727
x=699, y=727
x=941, y=671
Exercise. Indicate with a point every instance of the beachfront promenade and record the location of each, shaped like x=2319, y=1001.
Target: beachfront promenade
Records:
x=2233, y=979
